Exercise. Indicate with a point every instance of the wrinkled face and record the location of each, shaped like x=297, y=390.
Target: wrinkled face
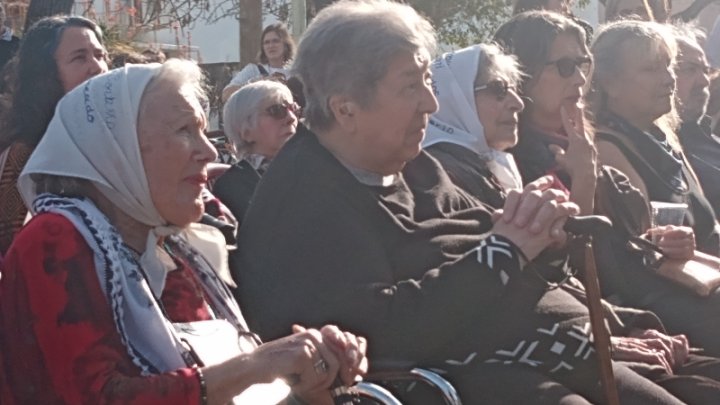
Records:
x=498, y=105
x=641, y=91
x=79, y=56
x=174, y=150
x=391, y=128
x=560, y=82
x=692, y=82
x=276, y=123
x=273, y=46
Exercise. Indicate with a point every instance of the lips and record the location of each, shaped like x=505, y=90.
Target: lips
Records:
x=198, y=179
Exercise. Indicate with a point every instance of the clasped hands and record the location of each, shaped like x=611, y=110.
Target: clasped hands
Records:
x=533, y=218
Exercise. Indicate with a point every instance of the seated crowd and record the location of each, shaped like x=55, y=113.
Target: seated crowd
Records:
x=401, y=206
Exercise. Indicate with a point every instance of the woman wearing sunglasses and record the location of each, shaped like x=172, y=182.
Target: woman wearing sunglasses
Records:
x=259, y=118
x=477, y=120
x=552, y=136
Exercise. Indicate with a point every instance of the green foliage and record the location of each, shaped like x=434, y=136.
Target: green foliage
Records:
x=462, y=23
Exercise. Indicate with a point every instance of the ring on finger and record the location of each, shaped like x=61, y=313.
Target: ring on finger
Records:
x=321, y=366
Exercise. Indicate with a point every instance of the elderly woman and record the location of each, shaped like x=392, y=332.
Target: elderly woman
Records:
x=57, y=54
x=477, y=121
x=259, y=118
x=449, y=135
x=354, y=213
x=633, y=87
x=277, y=50
x=103, y=298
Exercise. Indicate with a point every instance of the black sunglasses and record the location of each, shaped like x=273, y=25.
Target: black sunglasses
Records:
x=280, y=111
x=566, y=66
x=498, y=88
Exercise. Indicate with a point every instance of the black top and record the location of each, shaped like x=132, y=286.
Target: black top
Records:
x=469, y=172
x=236, y=186
x=400, y=265
x=8, y=49
x=702, y=149
x=665, y=174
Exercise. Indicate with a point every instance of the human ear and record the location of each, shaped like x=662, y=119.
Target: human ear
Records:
x=343, y=110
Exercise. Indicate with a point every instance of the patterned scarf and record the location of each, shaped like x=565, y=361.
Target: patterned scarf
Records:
x=150, y=338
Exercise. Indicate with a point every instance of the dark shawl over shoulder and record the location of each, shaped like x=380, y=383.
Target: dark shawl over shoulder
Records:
x=666, y=175
x=469, y=172
x=236, y=186
x=395, y=264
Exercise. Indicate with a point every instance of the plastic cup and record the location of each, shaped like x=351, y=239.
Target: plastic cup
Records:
x=665, y=213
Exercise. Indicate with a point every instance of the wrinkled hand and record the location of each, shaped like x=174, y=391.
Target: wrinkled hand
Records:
x=653, y=348
x=676, y=242
x=349, y=349
x=580, y=159
x=299, y=359
x=533, y=218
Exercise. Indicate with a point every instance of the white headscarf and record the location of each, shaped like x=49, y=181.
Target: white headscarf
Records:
x=456, y=121
x=93, y=136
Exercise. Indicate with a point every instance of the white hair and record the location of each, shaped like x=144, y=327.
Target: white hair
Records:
x=242, y=109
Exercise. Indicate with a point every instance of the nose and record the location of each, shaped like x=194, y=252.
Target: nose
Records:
x=428, y=102
x=291, y=118
x=579, y=78
x=515, y=102
x=205, y=152
x=97, y=66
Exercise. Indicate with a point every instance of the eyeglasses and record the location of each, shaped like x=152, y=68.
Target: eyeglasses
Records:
x=498, y=88
x=281, y=111
x=566, y=66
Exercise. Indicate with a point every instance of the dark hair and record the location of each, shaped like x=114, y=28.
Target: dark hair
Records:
x=522, y=6
x=36, y=87
x=289, y=45
x=530, y=35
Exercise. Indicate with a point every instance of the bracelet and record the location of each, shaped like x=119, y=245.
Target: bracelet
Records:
x=203, y=386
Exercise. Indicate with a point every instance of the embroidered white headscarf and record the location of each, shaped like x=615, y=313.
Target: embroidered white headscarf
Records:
x=93, y=136
x=456, y=120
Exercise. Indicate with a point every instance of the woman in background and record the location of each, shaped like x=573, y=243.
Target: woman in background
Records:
x=259, y=118
x=56, y=54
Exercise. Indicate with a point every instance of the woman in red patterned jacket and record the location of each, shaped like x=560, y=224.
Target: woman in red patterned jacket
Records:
x=104, y=299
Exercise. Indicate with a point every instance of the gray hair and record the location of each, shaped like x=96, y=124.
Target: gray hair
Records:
x=179, y=72
x=689, y=34
x=174, y=71
x=347, y=48
x=495, y=63
x=242, y=109
x=607, y=48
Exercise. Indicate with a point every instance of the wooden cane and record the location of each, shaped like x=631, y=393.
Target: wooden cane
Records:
x=599, y=330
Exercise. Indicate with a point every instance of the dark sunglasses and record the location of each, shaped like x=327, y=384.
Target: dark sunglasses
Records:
x=498, y=88
x=566, y=66
x=280, y=111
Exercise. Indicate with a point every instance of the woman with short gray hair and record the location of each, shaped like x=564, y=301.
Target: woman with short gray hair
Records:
x=354, y=213
x=259, y=118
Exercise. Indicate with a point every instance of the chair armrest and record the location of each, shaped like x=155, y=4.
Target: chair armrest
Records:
x=447, y=391
x=376, y=393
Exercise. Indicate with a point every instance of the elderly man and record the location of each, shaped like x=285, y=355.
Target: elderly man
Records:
x=8, y=42
x=702, y=148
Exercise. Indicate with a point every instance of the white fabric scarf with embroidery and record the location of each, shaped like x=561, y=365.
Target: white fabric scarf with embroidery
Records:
x=93, y=136
x=456, y=120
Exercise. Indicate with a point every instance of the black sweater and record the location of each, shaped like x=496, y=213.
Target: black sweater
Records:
x=397, y=264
